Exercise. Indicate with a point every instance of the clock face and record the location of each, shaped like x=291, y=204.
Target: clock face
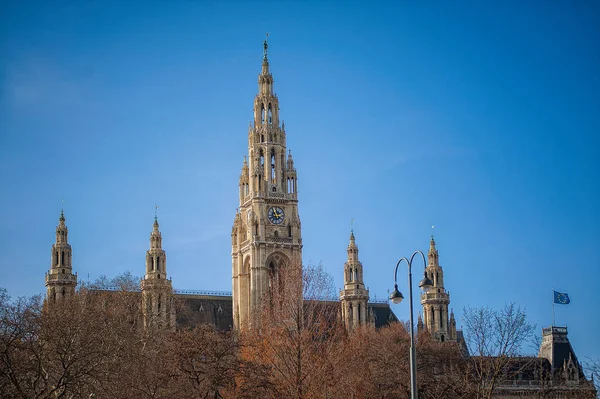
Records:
x=276, y=215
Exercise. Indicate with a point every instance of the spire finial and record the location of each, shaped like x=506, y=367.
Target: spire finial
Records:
x=155, y=213
x=265, y=46
x=352, y=226
x=62, y=209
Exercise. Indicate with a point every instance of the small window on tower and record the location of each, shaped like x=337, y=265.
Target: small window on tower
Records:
x=270, y=114
x=272, y=165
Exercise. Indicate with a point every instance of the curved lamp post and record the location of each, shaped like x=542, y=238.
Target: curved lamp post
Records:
x=396, y=297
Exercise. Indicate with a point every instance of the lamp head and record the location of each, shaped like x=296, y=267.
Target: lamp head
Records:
x=426, y=284
x=396, y=296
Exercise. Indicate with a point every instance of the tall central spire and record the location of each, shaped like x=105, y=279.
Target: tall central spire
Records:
x=266, y=234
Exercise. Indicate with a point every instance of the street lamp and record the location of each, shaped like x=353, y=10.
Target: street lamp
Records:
x=396, y=297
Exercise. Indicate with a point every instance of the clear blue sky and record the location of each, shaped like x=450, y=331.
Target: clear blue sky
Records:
x=481, y=119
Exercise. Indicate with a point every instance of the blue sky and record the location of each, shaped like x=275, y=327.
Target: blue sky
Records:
x=480, y=119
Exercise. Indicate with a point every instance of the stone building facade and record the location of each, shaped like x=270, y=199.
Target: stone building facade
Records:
x=266, y=239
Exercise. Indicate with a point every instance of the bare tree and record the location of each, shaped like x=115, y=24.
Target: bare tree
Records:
x=493, y=337
x=593, y=371
x=203, y=360
x=20, y=359
x=297, y=334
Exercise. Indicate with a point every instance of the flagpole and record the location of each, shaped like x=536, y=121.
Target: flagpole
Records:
x=553, y=321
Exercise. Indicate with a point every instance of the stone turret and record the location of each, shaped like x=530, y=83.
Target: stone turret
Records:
x=354, y=297
x=60, y=279
x=157, y=290
x=435, y=302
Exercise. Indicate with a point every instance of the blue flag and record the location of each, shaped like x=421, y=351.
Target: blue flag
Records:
x=561, y=298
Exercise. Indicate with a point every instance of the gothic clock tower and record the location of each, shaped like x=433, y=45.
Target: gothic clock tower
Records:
x=266, y=230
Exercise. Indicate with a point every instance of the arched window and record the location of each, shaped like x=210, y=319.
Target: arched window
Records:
x=63, y=292
x=355, y=274
x=273, y=165
x=442, y=338
x=270, y=114
x=62, y=258
x=351, y=313
x=261, y=155
x=358, y=313
x=276, y=288
x=262, y=113
x=290, y=230
x=351, y=275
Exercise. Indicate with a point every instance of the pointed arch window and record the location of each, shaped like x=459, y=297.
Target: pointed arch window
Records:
x=261, y=155
x=270, y=114
x=273, y=181
x=351, y=313
x=262, y=113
